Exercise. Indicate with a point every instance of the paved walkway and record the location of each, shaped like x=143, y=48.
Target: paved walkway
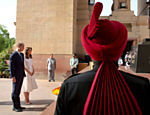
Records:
x=40, y=98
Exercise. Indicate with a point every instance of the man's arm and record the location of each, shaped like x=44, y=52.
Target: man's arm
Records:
x=71, y=62
x=24, y=65
x=77, y=61
x=55, y=63
x=12, y=65
x=47, y=62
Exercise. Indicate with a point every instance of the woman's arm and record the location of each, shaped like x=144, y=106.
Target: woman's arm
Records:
x=32, y=69
x=28, y=71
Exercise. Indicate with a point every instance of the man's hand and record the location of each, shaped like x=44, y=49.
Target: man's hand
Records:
x=14, y=79
x=73, y=66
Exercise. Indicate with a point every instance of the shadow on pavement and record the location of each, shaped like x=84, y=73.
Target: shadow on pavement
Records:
x=37, y=105
x=35, y=108
x=40, y=102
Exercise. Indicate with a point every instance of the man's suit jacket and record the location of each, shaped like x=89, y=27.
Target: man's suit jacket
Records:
x=74, y=92
x=17, y=65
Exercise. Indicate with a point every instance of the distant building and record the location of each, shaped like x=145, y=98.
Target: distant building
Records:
x=137, y=26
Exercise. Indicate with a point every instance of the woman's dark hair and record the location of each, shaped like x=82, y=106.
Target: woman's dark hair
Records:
x=26, y=53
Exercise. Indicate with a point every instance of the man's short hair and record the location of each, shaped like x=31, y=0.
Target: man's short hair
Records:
x=20, y=44
x=74, y=54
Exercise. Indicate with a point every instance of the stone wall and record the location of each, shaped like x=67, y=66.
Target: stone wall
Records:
x=40, y=64
x=46, y=25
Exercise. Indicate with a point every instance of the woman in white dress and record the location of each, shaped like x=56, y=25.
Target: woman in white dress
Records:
x=29, y=82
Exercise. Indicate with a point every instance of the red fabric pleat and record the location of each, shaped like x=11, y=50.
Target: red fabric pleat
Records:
x=109, y=94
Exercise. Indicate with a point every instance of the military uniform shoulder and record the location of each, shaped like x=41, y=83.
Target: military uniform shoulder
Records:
x=71, y=77
x=135, y=77
x=81, y=77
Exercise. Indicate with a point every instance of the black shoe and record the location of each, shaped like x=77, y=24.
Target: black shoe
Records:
x=22, y=108
x=17, y=109
x=49, y=80
x=53, y=80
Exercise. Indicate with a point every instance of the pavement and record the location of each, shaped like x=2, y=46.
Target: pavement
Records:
x=41, y=98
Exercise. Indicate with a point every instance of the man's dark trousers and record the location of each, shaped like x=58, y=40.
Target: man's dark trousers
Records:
x=16, y=88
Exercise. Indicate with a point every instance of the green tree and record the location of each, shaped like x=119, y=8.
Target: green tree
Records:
x=4, y=56
x=5, y=40
x=6, y=44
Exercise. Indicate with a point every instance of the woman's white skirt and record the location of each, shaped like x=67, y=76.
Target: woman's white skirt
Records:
x=29, y=84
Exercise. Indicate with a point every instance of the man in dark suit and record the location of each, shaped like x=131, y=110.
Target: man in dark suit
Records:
x=17, y=74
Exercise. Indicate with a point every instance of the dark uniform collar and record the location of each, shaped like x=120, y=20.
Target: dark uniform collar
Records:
x=98, y=63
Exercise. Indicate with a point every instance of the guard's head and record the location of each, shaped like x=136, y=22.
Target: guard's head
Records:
x=103, y=39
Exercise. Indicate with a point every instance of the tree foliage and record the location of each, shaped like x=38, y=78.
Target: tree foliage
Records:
x=6, y=44
x=4, y=68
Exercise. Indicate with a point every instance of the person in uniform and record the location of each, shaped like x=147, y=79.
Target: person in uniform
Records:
x=73, y=64
x=104, y=90
x=51, y=63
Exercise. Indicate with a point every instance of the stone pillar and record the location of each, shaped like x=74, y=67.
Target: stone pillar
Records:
x=128, y=2
x=83, y=17
x=141, y=6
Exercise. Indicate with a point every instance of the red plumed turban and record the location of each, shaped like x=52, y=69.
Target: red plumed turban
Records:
x=105, y=40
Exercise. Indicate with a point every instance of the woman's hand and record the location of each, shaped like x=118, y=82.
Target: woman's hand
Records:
x=30, y=73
